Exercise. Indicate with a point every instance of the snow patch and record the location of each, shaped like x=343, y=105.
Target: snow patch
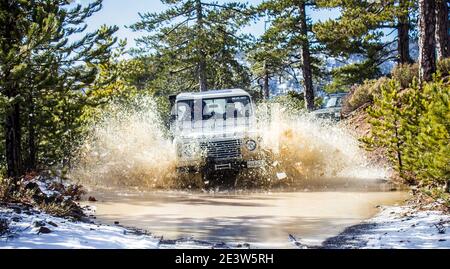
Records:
x=404, y=227
x=24, y=233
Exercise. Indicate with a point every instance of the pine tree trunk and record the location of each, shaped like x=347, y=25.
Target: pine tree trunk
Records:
x=266, y=85
x=13, y=135
x=202, y=75
x=306, y=67
x=31, y=160
x=442, y=37
x=403, y=34
x=398, y=150
x=12, y=129
x=427, y=42
x=31, y=164
x=202, y=57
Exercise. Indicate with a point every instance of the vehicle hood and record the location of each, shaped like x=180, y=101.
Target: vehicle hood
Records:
x=216, y=133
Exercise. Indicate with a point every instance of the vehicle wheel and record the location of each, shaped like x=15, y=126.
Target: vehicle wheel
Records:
x=196, y=180
x=224, y=179
x=191, y=180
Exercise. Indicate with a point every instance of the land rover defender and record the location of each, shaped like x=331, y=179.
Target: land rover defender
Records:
x=215, y=131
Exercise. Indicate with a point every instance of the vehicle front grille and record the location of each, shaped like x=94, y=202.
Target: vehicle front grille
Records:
x=222, y=150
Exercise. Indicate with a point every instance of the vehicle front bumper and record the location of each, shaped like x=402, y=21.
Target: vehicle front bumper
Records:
x=223, y=165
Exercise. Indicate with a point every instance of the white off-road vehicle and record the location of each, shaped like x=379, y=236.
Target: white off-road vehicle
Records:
x=215, y=131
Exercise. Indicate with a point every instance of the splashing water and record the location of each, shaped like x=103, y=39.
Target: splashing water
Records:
x=307, y=148
x=128, y=147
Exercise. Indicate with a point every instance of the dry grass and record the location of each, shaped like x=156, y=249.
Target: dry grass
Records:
x=28, y=192
x=6, y=189
x=55, y=209
x=363, y=95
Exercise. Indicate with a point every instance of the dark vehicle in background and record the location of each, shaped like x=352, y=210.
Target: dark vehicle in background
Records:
x=332, y=107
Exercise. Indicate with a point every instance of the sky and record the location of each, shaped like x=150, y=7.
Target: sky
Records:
x=125, y=12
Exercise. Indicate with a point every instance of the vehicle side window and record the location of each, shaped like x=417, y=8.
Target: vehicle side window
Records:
x=241, y=106
x=184, y=111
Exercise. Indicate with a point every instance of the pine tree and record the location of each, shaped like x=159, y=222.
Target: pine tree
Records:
x=44, y=74
x=411, y=111
x=411, y=124
x=195, y=44
x=442, y=37
x=427, y=41
x=387, y=130
x=23, y=28
x=433, y=140
x=291, y=36
x=118, y=81
x=403, y=25
x=267, y=61
x=365, y=28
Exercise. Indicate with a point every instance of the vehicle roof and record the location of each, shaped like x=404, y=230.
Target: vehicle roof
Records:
x=212, y=94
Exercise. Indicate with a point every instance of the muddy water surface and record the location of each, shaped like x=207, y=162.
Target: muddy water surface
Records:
x=263, y=219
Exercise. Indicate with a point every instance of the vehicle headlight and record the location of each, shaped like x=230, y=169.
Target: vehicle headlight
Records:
x=251, y=145
x=337, y=115
x=189, y=150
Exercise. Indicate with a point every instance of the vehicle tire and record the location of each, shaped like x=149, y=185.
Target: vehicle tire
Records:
x=223, y=180
x=190, y=180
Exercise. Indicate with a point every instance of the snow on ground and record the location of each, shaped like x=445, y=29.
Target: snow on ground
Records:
x=397, y=227
x=404, y=227
x=24, y=233
x=27, y=230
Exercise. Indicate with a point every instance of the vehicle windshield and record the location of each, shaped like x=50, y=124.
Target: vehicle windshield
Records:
x=334, y=102
x=214, y=108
